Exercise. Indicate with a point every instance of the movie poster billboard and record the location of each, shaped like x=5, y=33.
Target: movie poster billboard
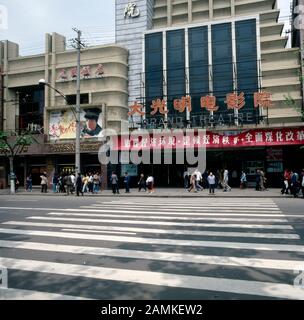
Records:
x=62, y=125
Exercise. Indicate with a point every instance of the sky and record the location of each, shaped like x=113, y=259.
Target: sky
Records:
x=29, y=20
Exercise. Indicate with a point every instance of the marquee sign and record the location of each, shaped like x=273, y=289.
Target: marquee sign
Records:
x=233, y=101
x=250, y=138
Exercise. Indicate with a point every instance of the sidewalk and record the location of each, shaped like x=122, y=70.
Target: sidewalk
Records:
x=167, y=193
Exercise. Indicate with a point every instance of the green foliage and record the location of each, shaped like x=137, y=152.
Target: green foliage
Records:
x=12, y=143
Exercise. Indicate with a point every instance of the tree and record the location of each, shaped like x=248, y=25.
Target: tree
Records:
x=12, y=144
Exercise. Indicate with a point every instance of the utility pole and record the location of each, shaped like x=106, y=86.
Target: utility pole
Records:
x=79, y=45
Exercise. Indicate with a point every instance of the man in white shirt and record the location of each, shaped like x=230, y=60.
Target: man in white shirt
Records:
x=150, y=183
x=211, y=182
x=198, y=180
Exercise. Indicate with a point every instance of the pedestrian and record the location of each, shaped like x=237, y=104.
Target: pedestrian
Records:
x=73, y=179
x=211, y=183
x=90, y=183
x=258, y=180
x=142, y=183
x=226, y=181
x=302, y=182
x=114, y=182
x=186, y=179
x=44, y=183
x=262, y=180
x=100, y=181
x=79, y=185
x=243, y=180
x=55, y=182
x=127, y=182
x=17, y=183
x=198, y=180
x=193, y=183
x=285, y=186
x=29, y=183
x=295, y=184
x=85, y=182
x=96, y=183
x=150, y=183
x=67, y=180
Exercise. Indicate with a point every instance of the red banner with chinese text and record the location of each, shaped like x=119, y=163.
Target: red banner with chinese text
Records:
x=249, y=138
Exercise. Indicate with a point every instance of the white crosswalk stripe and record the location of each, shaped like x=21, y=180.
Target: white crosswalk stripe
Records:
x=149, y=231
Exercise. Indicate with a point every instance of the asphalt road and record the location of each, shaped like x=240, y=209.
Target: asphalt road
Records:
x=145, y=248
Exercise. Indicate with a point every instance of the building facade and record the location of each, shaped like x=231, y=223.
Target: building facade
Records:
x=208, y=64
x=50, y=116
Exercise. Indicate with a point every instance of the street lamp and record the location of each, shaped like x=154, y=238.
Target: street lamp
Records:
x=43, y=82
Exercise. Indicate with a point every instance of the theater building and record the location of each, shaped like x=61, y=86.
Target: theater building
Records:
x=51, y=117
x=221, y=65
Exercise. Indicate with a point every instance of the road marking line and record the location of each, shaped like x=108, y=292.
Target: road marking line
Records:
x=161, y=217
x=158, y=231
x=166, y=223
x=258, y=288
x=158, y=241
x=218, y=208
x=202, y=211
x=21, y=294
x=155, y=255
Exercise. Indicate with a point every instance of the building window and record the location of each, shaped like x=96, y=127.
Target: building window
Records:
x=71, y=99
x=31, y=108
x=176, y=85
x=198, y=67
x=153, y=68
x=222, y=65
x=246, y=57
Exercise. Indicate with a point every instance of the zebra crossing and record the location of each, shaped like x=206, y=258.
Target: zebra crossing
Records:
x=153, y=249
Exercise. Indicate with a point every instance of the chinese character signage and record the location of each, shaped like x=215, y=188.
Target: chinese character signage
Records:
x=233, y=101
x=250, y=138
x=63, y=124
x=86, y=72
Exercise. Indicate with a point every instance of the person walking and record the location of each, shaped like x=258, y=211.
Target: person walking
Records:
x=44, y=183
x=198, y=180
x=186, y=179
x=243, y=180
x=302, y=182
x=114, y=183
x=127, y=182
x=29, y=183
x=258, y=180
x=79, y=185
x=67, y=180
x=295, y=184
x=96, y=183
x=211, y=183
x=85, y=182
x=226, y=181
x=150, y=184
x=55, y=182
x=262, y=180
x=142, y=183
x=193, y=183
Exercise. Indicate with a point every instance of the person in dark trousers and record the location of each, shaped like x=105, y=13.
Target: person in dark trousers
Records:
x=29, y=183
x=258, y=180
x=79, y=185
x=69, y=184
x=114, y=183
x=127, y=182
x=142, y=183
x=211, y=182
x=295, y=184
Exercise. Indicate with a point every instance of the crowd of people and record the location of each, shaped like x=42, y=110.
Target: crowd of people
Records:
x=293, y=183
x=197, y=181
